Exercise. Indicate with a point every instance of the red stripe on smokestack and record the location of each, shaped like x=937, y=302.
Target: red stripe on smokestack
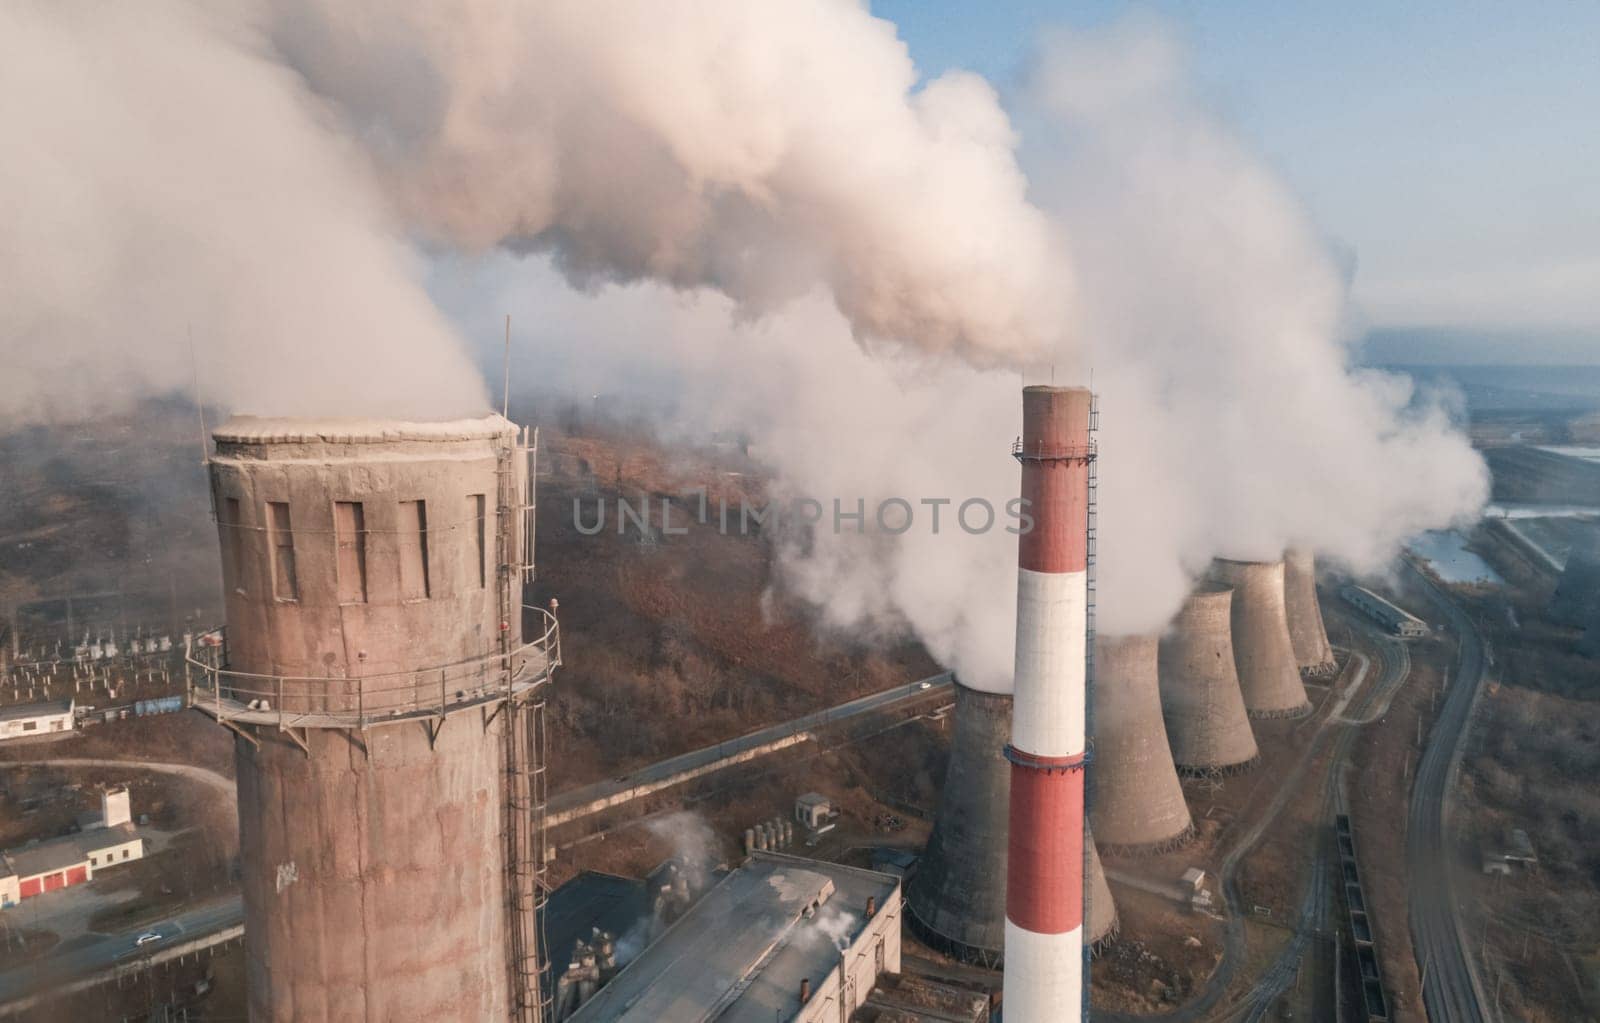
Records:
x=1044, y=871
x=1055, y=442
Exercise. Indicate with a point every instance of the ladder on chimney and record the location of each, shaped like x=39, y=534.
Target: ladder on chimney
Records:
x=1092, y=511
x=525, y=741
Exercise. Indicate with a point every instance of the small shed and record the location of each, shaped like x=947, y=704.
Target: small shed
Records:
x=813, y=810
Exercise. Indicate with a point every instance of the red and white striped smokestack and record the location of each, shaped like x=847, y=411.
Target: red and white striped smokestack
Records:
x=1044, y=882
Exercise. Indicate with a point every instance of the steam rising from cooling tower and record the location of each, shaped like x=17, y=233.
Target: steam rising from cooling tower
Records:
x=1136, y=800
x=1201, y=701
x=1268, y=672
x=1307, y=633
x=759, y=148
x=802, y=224
x=163, y=176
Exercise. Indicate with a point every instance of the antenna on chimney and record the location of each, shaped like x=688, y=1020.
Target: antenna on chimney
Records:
x=505, y=409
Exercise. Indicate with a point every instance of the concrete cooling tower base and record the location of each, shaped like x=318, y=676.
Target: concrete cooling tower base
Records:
x=956, y=900
x=1136, y=800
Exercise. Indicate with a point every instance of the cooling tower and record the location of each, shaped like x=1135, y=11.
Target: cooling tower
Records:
x=1307, y=633
x=1201, y=701
x=956, y=903
x=1577, y=598
x=1268, y=673
x=1100, y=915
x=1136, y=801
x=383, y=700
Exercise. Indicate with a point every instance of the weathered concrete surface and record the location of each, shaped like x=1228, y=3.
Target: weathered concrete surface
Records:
x=1136, y=800
x=374, y=881
x=1100, y=912
x=1307, y=633
x=957, y=900
x=1268, y=672
x=1201, y=701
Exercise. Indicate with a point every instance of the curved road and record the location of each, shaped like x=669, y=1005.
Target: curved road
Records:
x=220, y=782
x=1450, y=987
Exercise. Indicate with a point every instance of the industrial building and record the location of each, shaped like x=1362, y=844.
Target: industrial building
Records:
x=1397, y=621
x=108, y=840
x=1136, y=800
x=1307, y=633
x=1201, y=701
x=1269, y=674
x=29, y=719
x=780, y=938
x=386, y=703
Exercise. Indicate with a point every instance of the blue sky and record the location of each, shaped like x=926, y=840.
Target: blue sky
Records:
x=1455, y=147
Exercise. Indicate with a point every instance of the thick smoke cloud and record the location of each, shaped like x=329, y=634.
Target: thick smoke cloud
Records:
x=760, y=207
x=754, y=146
x=160, y=172
x=1212, y=316
x=1214, y=313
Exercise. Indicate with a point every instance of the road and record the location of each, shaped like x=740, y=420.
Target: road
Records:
x=658, y=775
x=1450, y=987
x=100, y=953
x=220, y=783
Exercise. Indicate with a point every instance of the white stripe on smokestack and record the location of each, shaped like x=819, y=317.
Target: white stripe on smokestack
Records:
x=1044, y=969
x=1052, y=625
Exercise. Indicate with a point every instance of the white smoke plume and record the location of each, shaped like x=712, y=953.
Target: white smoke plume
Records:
x=755, y=146
x=756, y=198
x=1213, y=317
x=161, y=172
x=1214, y=312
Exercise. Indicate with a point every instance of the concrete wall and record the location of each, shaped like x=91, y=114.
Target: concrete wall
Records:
x=1136, y=801
x=1268, y=672
x=112, y=855
x=374, y=864
x=1201, y=701
x=40, y=724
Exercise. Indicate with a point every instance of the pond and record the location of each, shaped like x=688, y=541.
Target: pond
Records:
x=1446, y=553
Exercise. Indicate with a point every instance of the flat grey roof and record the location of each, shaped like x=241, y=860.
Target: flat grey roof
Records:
x=55, y=854
x=36, y=710
x=739, y=954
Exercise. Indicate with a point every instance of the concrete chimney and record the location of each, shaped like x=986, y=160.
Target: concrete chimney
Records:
x=1307, y=633
x=956, y=902
x=1045, y=951
x=376, y=678
x=1268, y=672
x=1136, y=801
x=1201, y=701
